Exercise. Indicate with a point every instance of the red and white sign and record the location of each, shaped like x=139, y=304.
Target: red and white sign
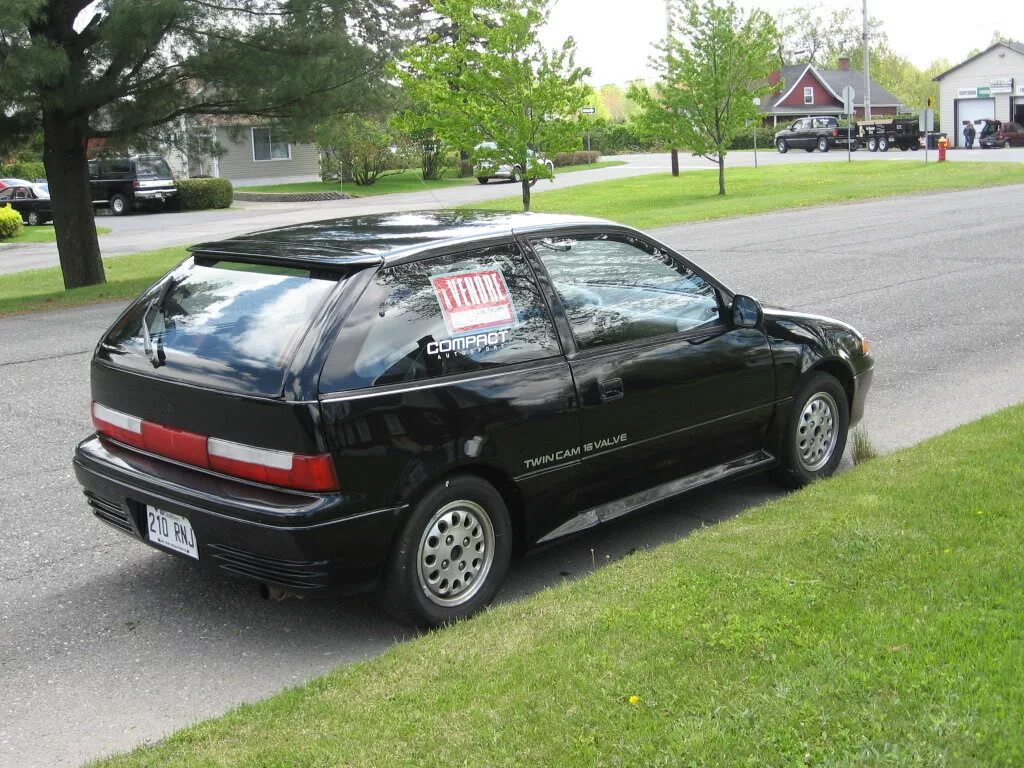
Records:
x=473, y=301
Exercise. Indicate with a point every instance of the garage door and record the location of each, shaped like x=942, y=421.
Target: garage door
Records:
x=972, y=109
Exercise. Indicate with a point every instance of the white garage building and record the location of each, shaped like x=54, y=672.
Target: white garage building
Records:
x=988, y=85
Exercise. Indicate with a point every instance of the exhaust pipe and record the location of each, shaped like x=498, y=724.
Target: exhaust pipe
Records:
x=269, y=592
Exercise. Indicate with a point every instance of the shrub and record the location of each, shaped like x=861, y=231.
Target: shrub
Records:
x=10, y=223
x=563, y=159
x=199, y=194
x=30, y=171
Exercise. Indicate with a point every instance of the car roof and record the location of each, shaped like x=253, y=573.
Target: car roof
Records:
x=381, y=238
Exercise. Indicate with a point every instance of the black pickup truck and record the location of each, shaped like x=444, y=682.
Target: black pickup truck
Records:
x=814, y=133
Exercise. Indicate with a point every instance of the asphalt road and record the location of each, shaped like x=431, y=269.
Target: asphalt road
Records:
x=149, y=231
x=106, y=644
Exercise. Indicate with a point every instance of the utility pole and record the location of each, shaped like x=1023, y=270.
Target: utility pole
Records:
x=668, y=42
x=867, y=66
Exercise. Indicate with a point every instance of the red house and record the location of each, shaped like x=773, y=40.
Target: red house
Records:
x=805, y=90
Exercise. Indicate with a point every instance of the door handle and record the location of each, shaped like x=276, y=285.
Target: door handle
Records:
x=611, y=389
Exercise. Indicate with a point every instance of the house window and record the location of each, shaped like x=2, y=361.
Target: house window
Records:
x=809, y=94
x=265, y=148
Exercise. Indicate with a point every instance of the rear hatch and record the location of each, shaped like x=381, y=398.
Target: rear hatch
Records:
x=197, y=369
x=153, y=174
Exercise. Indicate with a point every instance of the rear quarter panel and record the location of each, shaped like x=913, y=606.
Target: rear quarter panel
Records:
x=393, y=443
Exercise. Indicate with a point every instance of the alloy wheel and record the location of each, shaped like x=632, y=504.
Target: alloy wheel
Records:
x=455, y=553
x=816, y=435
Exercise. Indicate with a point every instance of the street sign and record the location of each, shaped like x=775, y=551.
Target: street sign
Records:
x=926, y=121
x=589, y=110
x=848, y=96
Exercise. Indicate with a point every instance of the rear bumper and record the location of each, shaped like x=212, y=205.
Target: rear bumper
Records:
x=297, y=541
x=155, y=194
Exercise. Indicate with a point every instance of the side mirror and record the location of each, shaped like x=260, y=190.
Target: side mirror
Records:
x=746, y=312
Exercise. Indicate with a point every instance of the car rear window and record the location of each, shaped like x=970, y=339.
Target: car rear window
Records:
x=226, y=325
x=156, y=168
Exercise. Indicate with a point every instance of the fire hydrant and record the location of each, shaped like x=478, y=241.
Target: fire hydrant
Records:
x=943, y=143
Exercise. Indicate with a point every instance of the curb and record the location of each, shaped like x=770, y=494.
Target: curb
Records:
x=290, y=197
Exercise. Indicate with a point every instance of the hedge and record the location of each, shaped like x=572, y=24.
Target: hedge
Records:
x=10, y=223
x=29, y=171
x=563, y=159
x=199, y=194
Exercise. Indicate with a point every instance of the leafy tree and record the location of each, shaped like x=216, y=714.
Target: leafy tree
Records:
x=490, y=80
x=120, y=70
x=711, y=72
x=362, y=149
x=814, y=35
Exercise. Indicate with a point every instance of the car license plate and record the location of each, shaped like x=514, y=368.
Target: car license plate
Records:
x=171, y=531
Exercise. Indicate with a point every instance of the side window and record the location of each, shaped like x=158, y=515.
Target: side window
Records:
x=617, y=287
x=459, y=313
x=94, y=169
x=6, y=194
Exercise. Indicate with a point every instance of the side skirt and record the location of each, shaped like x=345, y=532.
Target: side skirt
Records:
x=627, y=504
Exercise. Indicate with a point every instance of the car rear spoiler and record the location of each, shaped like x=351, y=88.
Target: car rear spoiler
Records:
x=272, y=253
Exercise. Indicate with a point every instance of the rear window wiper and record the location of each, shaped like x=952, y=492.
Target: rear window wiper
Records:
x=156, y=357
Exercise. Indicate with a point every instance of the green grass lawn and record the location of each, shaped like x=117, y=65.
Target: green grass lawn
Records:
x=44, y=234
x=407, y=181
x=876, y=619
x=658, y=200
x=127, y=276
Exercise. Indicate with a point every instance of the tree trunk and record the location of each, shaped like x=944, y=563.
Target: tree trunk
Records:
x=526, y=192
x=67, y=171
x=721, y=175
x=675, y=162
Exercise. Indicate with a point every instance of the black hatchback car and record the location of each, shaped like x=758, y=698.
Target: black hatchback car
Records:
x=401, y=401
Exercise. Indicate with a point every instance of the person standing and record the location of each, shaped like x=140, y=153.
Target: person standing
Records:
x=969, y=134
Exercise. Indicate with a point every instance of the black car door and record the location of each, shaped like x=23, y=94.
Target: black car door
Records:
x=667, y=385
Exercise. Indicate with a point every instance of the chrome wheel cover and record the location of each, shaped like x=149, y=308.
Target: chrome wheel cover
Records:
x=455, y=553
x=817, y=431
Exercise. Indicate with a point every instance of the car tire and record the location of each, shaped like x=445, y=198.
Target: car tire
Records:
x=823, y=145
x=425, y=583
x=872, y=144
x=915, y=147
x=815, y=432
x=33, y=219
x=118, y=205
x=782, y=146
x=883, y=144
x=483, y=179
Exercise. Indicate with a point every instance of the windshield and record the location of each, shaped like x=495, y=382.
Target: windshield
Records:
x=229, y=326
x=153, y=168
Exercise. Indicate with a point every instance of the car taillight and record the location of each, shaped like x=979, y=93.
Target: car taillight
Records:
x=136, y=185
x=120, y=426
x=835, y=133
x=289, y=470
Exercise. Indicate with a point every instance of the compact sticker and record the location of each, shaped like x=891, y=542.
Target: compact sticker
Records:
x=474, y=301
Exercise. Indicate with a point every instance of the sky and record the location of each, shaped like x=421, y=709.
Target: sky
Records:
x=615, y=37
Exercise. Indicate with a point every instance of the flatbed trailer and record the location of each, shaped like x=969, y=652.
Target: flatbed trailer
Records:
x=880, y=135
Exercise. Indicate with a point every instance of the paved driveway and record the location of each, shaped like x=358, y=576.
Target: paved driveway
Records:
x=144, y=232
x=105, y=644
